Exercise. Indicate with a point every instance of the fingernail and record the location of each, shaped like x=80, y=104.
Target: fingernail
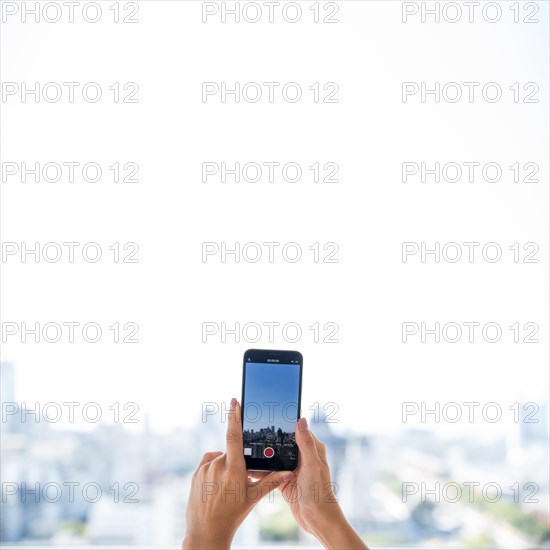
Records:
x=289, y=477
x=302, y=424
x=233, y=405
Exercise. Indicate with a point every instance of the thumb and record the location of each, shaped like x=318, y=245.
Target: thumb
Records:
x=306, y=444
x=271, y=481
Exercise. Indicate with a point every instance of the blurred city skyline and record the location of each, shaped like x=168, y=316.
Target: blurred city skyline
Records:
x=370, y=471
x=270, y=396
x=165, y=415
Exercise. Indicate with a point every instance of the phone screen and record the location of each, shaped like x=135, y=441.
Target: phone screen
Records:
x=270, y=409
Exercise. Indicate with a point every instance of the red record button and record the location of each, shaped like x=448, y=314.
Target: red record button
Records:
x=268, y=452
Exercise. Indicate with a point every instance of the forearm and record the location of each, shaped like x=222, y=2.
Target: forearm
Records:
x=339, y=535
x=206, y=542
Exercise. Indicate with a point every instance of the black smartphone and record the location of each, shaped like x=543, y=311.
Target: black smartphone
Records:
x=270, y=408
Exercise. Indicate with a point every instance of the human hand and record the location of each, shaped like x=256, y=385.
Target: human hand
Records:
x=222, y=491
x=311, y=497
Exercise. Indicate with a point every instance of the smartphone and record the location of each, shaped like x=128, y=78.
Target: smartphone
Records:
x=270, y=408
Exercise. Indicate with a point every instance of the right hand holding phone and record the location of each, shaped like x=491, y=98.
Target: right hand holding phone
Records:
x=311, y=496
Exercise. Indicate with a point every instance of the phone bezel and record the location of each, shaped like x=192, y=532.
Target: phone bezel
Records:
x=261, y=356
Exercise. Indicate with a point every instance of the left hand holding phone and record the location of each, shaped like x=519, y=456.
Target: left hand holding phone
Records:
x=222, y=491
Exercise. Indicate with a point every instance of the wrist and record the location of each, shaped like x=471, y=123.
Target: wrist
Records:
x=206, y=541
x=325, y=519
x=336, y=533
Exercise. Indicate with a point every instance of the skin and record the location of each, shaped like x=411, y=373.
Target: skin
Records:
x=311, y=497
x=223, y=493
x=214, y=510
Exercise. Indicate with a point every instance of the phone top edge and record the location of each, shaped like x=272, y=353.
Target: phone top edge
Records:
x=273, y=352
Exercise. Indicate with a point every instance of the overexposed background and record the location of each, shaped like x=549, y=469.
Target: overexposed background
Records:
x=369, y=213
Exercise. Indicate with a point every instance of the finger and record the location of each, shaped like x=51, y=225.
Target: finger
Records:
x=271, y=481
x=306, y=443
x=321, y=448
x=234, y=437
x=289, y=478
x=208, y=457
x=253, y=477
x=283, y=486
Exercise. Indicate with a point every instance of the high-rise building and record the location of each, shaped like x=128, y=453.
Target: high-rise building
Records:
x=7, y=382
x=7, y=391
x=533, y=425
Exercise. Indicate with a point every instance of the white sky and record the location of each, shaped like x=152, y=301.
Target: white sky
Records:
x=369, y=213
